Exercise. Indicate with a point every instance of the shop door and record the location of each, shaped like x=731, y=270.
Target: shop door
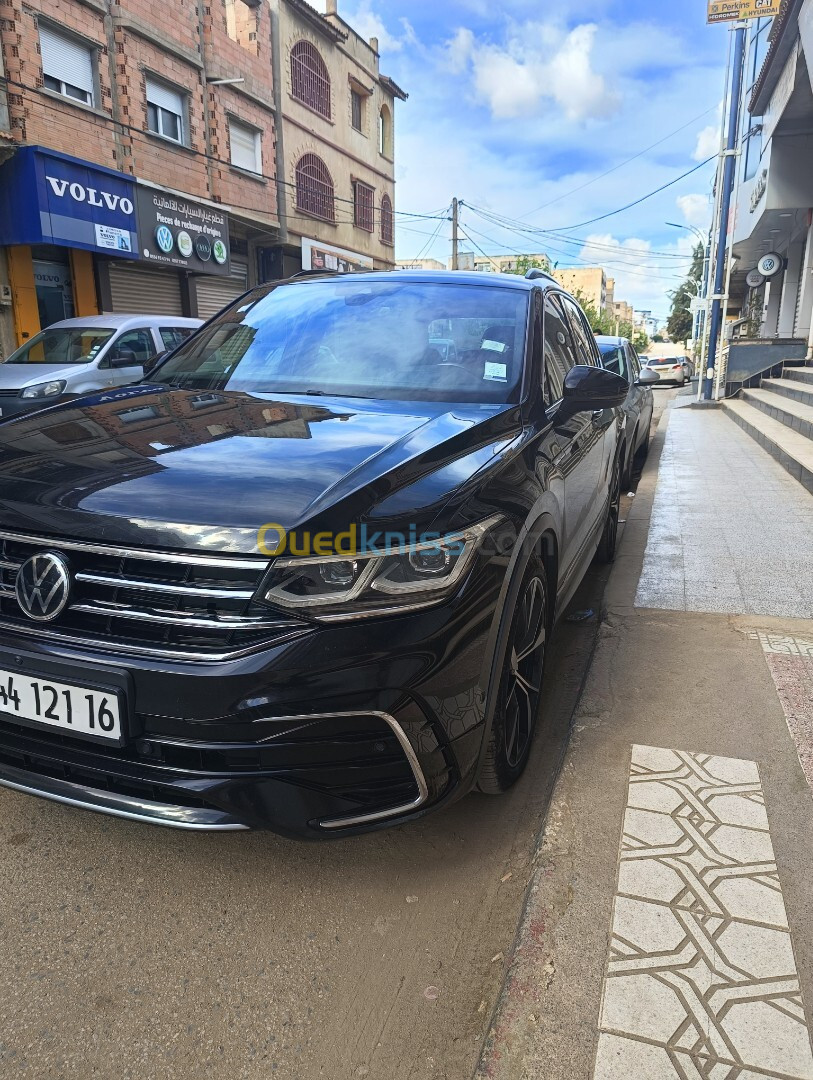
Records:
x=54, y=291
x=144, y=292
x=214, y=293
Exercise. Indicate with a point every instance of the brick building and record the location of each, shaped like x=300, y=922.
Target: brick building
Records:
x=145, y=166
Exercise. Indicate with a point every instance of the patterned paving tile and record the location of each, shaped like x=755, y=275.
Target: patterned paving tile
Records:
x=790, y=662
x=701, y=979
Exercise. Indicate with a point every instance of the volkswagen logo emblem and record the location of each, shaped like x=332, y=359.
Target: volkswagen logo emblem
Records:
x=43, y=586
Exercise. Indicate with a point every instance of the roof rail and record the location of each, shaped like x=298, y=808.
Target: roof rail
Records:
x=535, y=274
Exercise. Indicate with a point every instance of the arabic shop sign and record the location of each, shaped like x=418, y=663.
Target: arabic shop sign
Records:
x=181, y=233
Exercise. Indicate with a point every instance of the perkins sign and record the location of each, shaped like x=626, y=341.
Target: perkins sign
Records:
x=50, y=198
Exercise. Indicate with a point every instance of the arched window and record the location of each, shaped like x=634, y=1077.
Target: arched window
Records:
x=314, y=188
x=385, y=132
x=310, y=82
x=386, y=219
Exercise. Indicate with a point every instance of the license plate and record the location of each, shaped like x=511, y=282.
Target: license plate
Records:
x=80, y=710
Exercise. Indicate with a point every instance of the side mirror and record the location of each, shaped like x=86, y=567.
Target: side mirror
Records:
x=124, y=358
x=152, y=363
x=648, y=377
x=589, y=389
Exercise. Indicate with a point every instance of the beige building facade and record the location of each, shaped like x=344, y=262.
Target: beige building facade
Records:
x=589, y=282
x=335, y=161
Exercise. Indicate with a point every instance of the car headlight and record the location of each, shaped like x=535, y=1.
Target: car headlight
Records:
x=45, y=389
x=401, y=577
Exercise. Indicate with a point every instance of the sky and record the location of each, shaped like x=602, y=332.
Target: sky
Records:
x=518, y=107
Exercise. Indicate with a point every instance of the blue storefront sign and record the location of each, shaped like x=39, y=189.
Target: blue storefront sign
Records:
x=52, y=198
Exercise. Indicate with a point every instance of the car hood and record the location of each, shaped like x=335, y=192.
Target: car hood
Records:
x=17, y=376
x=154, y=466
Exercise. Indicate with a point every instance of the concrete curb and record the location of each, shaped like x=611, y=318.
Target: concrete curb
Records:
x=530, y=968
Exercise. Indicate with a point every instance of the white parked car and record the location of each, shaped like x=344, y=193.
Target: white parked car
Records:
x=78, y=356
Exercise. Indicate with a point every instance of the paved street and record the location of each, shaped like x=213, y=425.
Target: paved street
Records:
x=381, y=956
x=667, y=933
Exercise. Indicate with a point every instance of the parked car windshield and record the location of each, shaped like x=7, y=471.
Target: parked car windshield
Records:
x=398, y=340
x=63, y=345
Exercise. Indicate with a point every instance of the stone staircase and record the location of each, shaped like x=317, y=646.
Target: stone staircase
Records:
x=779, y=415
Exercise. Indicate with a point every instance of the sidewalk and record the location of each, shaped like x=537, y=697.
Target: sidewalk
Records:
x=667, y=930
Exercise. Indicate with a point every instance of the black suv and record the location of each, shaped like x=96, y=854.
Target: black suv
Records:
x=303, y=577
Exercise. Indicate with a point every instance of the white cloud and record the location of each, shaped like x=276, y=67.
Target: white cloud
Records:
x=536, y=64
x=459, y=50
x=696, y=209
x=708, y=143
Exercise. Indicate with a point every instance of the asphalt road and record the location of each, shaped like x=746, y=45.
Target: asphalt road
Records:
x=132, y=952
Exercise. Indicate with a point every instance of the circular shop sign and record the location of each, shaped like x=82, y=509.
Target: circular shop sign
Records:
x=203, y=248
x=185, y=245
x=220, y=252
x=164, y=239
x=770, y=264
x=754, y=279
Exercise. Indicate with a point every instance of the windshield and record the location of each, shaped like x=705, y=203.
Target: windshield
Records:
x=63, y=345
x=614, y=359
x=399, y=340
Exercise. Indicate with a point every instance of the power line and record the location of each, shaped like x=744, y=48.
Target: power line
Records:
x=628, y=161
x=509, y=225
x=94, y=117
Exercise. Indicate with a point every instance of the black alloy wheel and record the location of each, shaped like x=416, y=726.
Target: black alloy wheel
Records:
x=609, y=538
x=520, y=687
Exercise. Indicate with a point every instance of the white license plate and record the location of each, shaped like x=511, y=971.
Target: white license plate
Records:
x=77, y=709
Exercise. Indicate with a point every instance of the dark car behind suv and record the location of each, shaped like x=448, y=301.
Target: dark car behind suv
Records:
x=619, y=355
x=304, y=577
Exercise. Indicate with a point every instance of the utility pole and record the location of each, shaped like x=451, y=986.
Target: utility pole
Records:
x=729, y=155
x=455, y=234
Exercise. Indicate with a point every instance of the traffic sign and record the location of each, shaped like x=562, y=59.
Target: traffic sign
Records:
x=697, y=304
x=735, y=10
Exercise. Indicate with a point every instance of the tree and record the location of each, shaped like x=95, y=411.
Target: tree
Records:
x=602, y=322
x=681, y=320
x=526, y=263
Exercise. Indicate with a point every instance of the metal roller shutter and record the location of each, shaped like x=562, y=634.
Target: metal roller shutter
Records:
x=213, y=293
x=144, y=292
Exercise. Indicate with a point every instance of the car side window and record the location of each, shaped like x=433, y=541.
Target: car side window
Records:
x=138, y=342
x=586, y=349
x=173, y=336
x=559, y=354
x=616, y=361
x=634, y=362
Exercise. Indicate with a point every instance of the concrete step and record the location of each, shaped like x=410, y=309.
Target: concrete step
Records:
x=799, y=374
x=791, y=449
x=793, y=414
x=790, y=388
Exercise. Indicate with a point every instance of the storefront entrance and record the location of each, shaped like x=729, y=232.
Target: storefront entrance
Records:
x=54, y=287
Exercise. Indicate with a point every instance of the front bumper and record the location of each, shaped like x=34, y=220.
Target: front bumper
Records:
x=11, y=407
x=348, y=728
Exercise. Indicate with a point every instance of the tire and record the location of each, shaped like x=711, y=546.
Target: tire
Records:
x=518, y=694
x=642, y=453
x=609, y=537
x=628, y=459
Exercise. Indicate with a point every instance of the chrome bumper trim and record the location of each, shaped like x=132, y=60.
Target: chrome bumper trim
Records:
x=122, y=806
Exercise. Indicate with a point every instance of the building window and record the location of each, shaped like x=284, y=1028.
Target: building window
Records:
x=246, y=147
x=242, y=23
x=364, y=202
x=386, y=220
x=310, y=82
x=314, y=188
x=165, y=111
x=356, y=110
x=67, y=66
x=385, y=132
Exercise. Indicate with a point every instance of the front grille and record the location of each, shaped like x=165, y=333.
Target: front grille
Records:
x=9, y=393
x=189, y=606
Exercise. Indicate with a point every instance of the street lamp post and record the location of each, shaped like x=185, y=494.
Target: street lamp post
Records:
x=697, y=322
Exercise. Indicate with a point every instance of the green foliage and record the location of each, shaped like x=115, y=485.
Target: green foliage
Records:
x=526, y=263
x=601, y=322
x=681, y=320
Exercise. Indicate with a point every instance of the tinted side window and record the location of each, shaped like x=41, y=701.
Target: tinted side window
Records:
x=137, y=345
x=616, y=361
x=173, y=336
x=635, y=363
x=559, y=355
x=583, y=335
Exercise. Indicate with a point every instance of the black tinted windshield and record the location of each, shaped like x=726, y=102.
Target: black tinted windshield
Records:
x=63, y=345
x=398, y=340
